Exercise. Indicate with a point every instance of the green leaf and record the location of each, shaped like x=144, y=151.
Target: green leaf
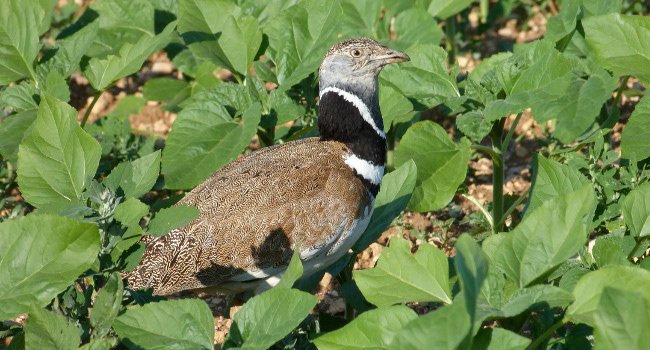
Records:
x=269, y=317
x=107, y=305
x=621, y=320
x=620, y=43
x=591, y=286
x=68, y=52
x=374, y=329
x=46, y=329
x=401, y=277
x=170, y=324
x=441, y=164
x=120, y=22
x=293, y=272
x=636, y=210
x=499, y=339
x=394, y=195
x=137, y=177
x=442, y=329
x=613, y=250
x=201, y=23
x=170, y=218
x=57, y=159
x=425, y=79
x=20, y=97
x=130, y=212
x=525, y=255
x=634, y=143
x=298, y=52
x=33, y=270
x=447, y=8
x=493, y=302
x=102, y=72
x=552, y=180
x=474, y=125
x=100, y=344
x=240, y=40
x=426, y=32
x=19, y=38
x=165, y=89
x=198, y=146
x=395, y=107
x=472, y=266
x=12, y=132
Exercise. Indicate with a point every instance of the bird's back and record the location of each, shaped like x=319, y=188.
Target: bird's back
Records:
x=253, y=212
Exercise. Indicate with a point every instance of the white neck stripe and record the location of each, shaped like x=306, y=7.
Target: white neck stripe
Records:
x=357, y=102
x=365, y=169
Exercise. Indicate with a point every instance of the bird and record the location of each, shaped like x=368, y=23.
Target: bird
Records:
x=317, y=193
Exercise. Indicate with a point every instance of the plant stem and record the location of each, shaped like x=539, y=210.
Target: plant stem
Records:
x=90, y=108
x=514, y=205
x=497, y=176
x=494, y=154
x=546, y=335
x=506, y=141
x=450, y=32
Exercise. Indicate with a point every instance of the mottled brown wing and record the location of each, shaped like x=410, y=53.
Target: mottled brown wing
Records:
x=252, y=213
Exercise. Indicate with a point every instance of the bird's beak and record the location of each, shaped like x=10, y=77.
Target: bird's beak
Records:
x=388, y=56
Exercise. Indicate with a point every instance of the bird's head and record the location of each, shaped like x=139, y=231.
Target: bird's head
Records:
x=356, y=61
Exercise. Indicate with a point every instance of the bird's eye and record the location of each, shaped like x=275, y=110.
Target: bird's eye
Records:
x=355, y=53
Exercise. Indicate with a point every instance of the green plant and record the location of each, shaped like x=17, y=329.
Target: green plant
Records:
x=91, y=190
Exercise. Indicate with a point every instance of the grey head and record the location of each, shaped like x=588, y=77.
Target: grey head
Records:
x=353, y=65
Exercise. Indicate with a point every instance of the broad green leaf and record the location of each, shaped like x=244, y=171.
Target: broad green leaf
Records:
x=620, y=43
x=374, y=329
x=57, y=159
x=107, y=305
x=424, y=79
x=395, y=107
x=634, y=143
x=293, y=272
x=298, y=52
x=201, y=23
x=283, y=108
x=102, y=72
x=548, y=236
x=170, y=218
x=590, y=288
x=100, y=344
x=636, y=210
x=441, y=164
x=552, y=180
x=240, y=40
x=426, y=32
x=121, y=22
x=442, y=329
x=69, y=52
x=613, y=250
x=364, y=18
x=198, y=146
x=46, y=329
x=401, y=277
x=137, y=177
x=563, y=23
x=165, y=89
x=472, y=267
x=19, y=97
x=19, y=38
x=33, y=270
x=499, y=339
x=474, y=125
x=621, y=320
x=447, y=8
x=394, y=195
x=130, y=212
x=12, y=131
x=56, y=86
x=170, y=324
x=269, y=317
x=496, y=303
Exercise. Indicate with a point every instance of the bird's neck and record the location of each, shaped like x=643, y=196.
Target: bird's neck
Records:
x=352, y=116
